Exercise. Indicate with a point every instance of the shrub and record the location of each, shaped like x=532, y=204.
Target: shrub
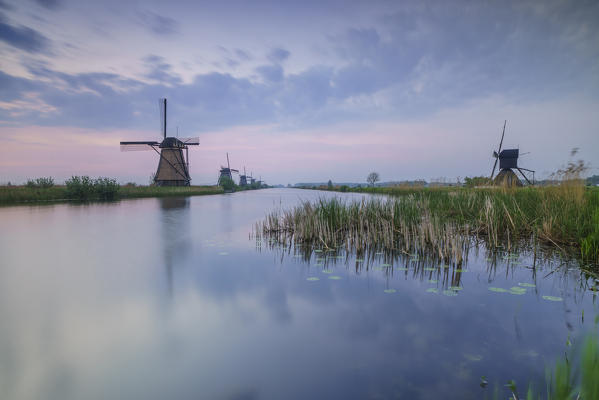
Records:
x=227, y=184
x=40, y=183
x=80, y=188
x=84, y=188
x=106, y=188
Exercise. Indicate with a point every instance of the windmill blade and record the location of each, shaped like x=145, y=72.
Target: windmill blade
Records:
x=162, y=108
x=138, y=146
x=494, y=165
x=502, y=135
x=234, y=170
x=191, y=141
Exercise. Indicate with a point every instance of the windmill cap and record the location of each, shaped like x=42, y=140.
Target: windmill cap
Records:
x=171, y=142
x=509, y=153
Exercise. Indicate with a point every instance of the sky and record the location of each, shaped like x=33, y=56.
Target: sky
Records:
x=297, y=91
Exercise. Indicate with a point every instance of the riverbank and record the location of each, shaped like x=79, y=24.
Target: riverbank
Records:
x=10, y=195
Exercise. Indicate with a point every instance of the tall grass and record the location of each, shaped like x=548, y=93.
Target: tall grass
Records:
x=444, y=221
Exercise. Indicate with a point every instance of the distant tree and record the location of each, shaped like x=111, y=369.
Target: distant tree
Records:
x=227, y=184
x=373, y=178
x=330, y=185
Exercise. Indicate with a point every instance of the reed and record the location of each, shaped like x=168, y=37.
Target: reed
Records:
x=444, y=222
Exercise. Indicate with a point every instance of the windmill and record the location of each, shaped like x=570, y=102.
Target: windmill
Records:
x=226, y=172
x=243, y=181
x=508, y=162
x=173, y=167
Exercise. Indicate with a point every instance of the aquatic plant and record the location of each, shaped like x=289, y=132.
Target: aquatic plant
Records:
x=445, y=222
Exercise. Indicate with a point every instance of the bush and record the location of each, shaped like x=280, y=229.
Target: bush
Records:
x=227, y=184
x=344, y=188
x=84, y=188
x=106, y=188
x=80, y=188
x=40, y=183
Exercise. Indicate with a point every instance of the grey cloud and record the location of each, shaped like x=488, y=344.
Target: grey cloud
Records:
x=50, y=4
x=270, y=73
x=233, y=58
x=158, y=24
x=23, y=37
x=278, y=55
x=160, y=70
x=5, y=6
x=242, y=55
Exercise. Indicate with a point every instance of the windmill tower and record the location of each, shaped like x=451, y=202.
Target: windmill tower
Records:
x=173, y=166
x=226, y=172
x=508, y=162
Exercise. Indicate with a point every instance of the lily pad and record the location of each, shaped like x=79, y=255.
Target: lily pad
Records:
x=498, y=290
x=517, y=289
x=386, y=265
x=449, y=293
x=389, y=290
x=456, y=288
x=318, y=251
x=432, y=281
x=334, y=277
x=461, y=270
x=401, y=268
x=432, y=290
x=327, y=271
x=312, y=278
x=552, y=298
x=359, y=260
x=429, y=269
x=526, y=284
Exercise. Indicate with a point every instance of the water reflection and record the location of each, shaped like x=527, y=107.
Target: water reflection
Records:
x=175, y=234
x=84, y=316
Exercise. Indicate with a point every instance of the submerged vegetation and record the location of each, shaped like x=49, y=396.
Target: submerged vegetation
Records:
x=446, y=222
x=84, y=188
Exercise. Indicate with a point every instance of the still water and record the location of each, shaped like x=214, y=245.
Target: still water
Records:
x=172, y=299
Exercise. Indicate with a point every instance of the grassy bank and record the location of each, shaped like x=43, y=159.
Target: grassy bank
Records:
x=444, y=221
x=24, y=194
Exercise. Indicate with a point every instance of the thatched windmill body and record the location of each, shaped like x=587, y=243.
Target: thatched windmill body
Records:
x=173, y=165
x=508, y=162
